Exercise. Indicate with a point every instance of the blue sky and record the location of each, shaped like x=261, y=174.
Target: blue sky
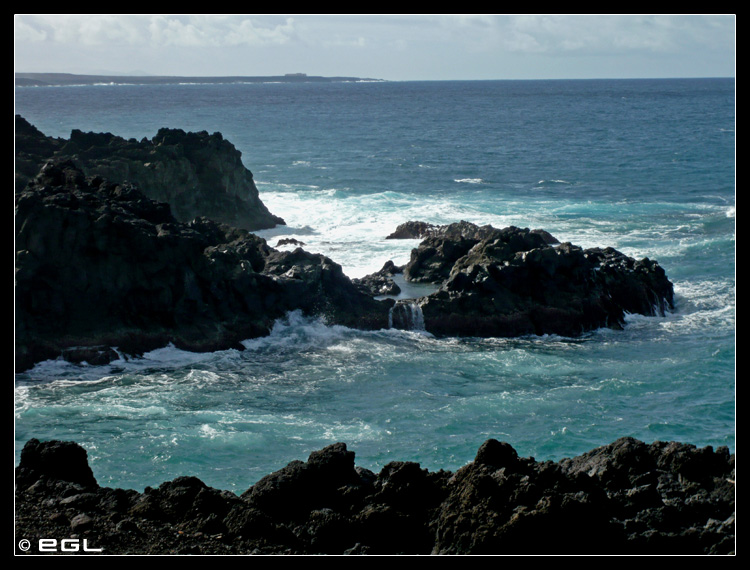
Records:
x=393, y=47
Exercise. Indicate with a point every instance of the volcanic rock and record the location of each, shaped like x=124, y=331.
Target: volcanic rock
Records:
x=98, y=264
x=515, y=281
x=381, y=282
x=628, y=497
x=198, y=174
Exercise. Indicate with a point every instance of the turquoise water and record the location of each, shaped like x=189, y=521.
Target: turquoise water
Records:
x=644, y=166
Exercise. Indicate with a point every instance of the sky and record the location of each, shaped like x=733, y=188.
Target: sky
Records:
x=392, y=47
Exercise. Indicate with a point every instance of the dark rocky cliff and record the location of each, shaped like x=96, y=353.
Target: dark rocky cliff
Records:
x=100, y=265
x=197, y=174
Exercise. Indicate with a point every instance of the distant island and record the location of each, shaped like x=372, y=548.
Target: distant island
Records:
x=51, y=79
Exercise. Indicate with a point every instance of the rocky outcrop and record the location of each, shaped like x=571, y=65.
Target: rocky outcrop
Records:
x=381, y=282
x=99, y=265
x=413, y=230
x=198, y=174
x=467, y=230
x=627, y=497
x=317, y=286
x=496, y=291
x=289, y=241
x=515, y=281
x=434, y=259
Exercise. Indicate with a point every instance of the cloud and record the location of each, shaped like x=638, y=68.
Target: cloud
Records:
x=249, y=32
x=26, y=32
x=156, y=30
x=78, y=29
x=534, y=33
x=610, y=34
x=218, y=31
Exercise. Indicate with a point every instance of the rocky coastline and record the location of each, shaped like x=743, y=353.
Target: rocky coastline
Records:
x=625, y=498
x=126, y=246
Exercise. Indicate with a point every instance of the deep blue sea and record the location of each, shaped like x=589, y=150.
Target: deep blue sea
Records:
x=645, y=166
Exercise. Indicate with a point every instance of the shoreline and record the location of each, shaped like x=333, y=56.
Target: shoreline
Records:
x=624, y=498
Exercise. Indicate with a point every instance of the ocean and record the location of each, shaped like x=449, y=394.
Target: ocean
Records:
x=644, y=166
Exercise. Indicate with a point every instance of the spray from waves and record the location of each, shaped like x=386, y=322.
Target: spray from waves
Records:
x=704, y=305
x=297, y=332
x=293, y=334
x=350, y=228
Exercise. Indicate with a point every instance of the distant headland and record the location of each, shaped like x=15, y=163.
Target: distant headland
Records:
x=50, y=79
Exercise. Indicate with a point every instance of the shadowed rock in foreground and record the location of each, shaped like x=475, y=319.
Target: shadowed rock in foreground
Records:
x=624, y=498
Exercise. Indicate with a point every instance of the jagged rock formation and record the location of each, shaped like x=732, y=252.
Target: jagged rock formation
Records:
x=515, y=281
x=99, y=265
x=413, y=230
x=624, y=498
x=197, y=174
x=466, y=230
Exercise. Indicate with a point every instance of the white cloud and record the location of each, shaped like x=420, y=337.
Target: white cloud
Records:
x=249, y=32
x=167, y=31
x=26, y=32
x=157, y=30
x=218, y=31
x=78, y=29
x=608, y=34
